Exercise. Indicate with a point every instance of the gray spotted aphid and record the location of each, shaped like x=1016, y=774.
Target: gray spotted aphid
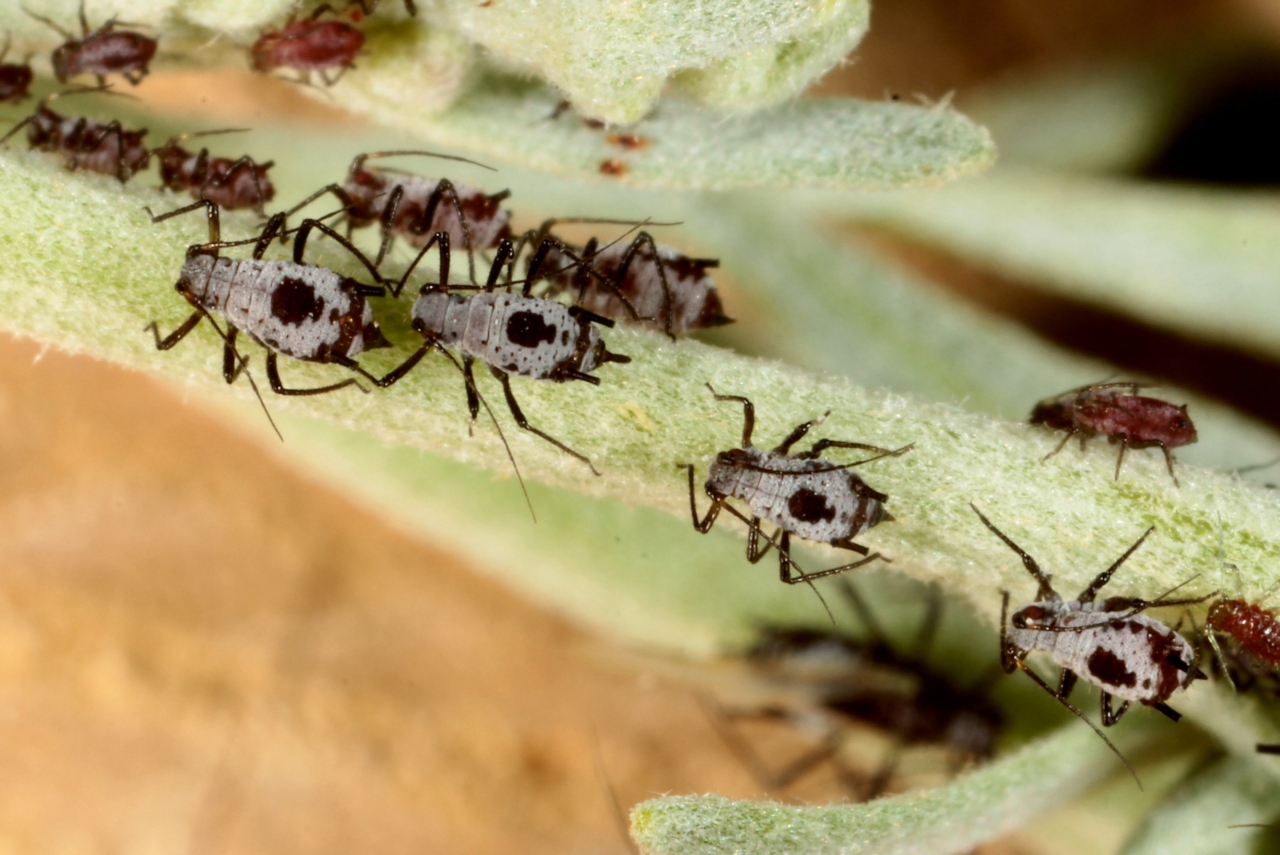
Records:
x=1108, y=643
x=291, y=308
x=512, y=333
x=798, y=493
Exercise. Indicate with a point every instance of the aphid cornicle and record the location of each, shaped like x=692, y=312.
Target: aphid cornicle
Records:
x=228, y=183
x=1132, y=420
x=872, y=682
x=1110, y=643
x=512, y=333
x=667, y=289
x=309, y=45
x=418, y=208
x=798, y=493
x=15, y=78
x=84, y=143
x=106, y=50
x=291, y=308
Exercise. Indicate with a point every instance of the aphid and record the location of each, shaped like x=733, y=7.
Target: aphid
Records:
x=869, y=681
x=1253, y=627
x=1131, y=420
x=1109, y=643
x=665, y=288
x=613, y=166
x=309, y=45
x=291, y=308
x=512, y=333
x=628, y=141
x=84, y=143
x=15, y=79
x=228, y=183
x=798, y=493
x=418, y=208
x=106, y=50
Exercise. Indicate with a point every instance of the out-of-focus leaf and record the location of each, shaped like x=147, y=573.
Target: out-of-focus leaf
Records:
x=1195, y=819
x=1203, y=262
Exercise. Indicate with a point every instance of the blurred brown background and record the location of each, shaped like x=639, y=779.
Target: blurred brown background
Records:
x=200, y=651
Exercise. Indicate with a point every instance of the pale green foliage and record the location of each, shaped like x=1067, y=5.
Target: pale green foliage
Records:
x=1205, y=262
x=612, y=59
x=948, y=819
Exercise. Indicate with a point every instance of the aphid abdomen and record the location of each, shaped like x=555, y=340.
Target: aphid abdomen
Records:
x=530, y=336
x=113, y=52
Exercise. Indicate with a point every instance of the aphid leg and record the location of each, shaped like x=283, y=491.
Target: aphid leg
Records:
x=273, y=377
x=389, y=212
x=1124, y=446
x=443, y=186
x=704, y=525
x=1109, y=718
x=755, y=552
x=823, y=444
x=1222, y=660
x=19, y=126
x=1164, y=709
x=545, y=245
x=748, y=413
x=268, y=234
x=1089, y=593
x=215, y=223
x=232, y=364
x=506, y=252
x=177, y=335
x=785, y=563
x=1265, y=748
x=1046, y=588
x=1039, y=681
x=473, y=394
x=1067, y=683
x=723, y=721
x=1062, y=444
x=244, y=162
x=863, y=611
x=1008, y=653
x=518, y=415
x=392, y=376
x=1168, y=462
x=440, y=240
x=304, y=231
x=335, y=189
x=797, y=433
x=668, y=300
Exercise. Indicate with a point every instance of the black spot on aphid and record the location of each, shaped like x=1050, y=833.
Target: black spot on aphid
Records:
x=1110, y=669
x=294, y=301
x=807, y=506
x=527, y=329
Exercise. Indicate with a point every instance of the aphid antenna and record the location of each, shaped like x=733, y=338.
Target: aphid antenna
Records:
x=835, y=467
x=1138, y=607
x=1046, y=590
x=615, y=804
x=196, y=134
x=1254, y=825
x=358, y=163
x=502, y=436
x=1254, y=467
x=66, y=35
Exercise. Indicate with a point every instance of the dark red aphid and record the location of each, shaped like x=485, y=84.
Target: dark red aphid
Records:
x=1132, y=420
x=15, y=79
x=228, y=183
x=106, y=50
x=309, y=45
x=85, y=143
x=418, y=208
x=1254, y=628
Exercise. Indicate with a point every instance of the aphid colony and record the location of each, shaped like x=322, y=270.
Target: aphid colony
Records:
x=536, y=310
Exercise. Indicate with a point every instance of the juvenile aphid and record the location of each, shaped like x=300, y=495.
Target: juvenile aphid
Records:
x=1110, y=643
x=867, y=681
x=512, y=333
x=15, y=78
x=228, y=183
x=417, y=208
x=798, y=493
x=1132, y=420
x=1253, y=630
x=106, y=50
x=84, y=143
x=666, y=289
x=291, y=308
x=309, y=45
